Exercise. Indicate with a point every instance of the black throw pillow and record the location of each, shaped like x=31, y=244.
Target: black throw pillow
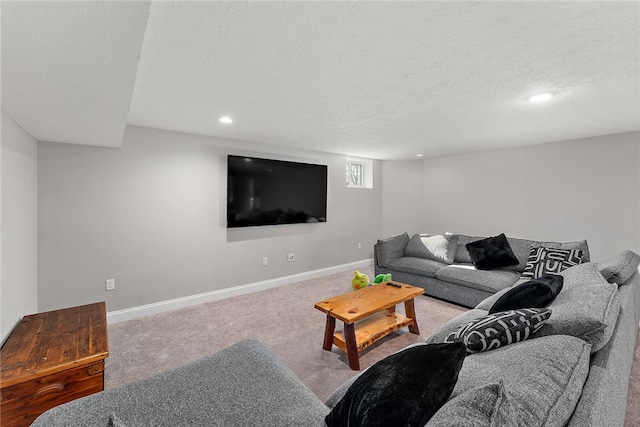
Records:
x=404, y=389
x=536, y=293
x=492, y=252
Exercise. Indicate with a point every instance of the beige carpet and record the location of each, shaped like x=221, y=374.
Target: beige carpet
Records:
x=285, y=320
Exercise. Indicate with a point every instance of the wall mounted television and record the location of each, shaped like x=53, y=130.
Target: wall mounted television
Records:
x=273, y=192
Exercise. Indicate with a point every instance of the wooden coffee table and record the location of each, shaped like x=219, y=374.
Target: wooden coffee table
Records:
x=374, y=310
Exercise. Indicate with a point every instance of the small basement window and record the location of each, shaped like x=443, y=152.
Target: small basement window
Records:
x=359, y=173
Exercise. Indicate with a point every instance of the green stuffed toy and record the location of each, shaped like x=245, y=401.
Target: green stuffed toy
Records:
x=380, y=278
x=359, y=281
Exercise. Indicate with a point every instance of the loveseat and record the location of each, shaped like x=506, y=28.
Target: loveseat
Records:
x=574, y=371
x=441, y=264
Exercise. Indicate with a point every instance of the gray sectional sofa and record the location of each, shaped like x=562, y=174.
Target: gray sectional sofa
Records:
x=602, y=315
x=574, y=371
x=452, y=277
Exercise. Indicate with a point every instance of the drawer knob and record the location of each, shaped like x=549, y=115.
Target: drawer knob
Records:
x=95, y=369
x=51, y=388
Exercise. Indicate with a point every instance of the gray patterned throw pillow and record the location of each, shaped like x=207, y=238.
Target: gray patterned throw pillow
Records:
x=499, y=329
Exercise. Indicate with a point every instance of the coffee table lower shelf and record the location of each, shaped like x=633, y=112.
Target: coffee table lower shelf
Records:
x=373, y=328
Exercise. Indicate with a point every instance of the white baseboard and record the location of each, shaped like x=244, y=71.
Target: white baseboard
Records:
x=174, y=304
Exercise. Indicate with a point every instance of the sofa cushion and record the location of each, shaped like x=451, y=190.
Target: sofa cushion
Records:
x=536, y=293
x=406, y=388
x=580, y=275
x=437, y=247
x=587, y=307
x=417, y=266
x=486, y=280
x=620, y=267
x=390, y=248
x=485, y=406
x=491, y=253
x=499, y=329
x=543, y=377
x=245, y=378
x=462, y=254
x=584, y=274
x=520, y=248
x=587, y=311
x=543, y=260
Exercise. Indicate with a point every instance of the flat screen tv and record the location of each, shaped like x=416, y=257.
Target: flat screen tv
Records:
x=272, y=192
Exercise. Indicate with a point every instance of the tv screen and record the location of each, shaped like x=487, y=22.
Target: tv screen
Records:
x=270, y=192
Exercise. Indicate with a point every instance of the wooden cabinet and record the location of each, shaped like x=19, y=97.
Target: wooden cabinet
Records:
x=52, y=358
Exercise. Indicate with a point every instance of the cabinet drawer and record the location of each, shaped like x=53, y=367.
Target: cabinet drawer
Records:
x=22, y=403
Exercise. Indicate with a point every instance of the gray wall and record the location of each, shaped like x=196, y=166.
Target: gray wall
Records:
x=580, y=189
x=402, y=204
x=151, y=215
x=19, y=254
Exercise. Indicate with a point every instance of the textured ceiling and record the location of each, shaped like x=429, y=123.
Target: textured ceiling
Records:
x=384, y=80
x=68, y=68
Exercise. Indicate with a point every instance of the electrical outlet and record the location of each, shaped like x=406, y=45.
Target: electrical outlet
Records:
x=359, y=245
x=291, y=257
x=265, y=261
x=109, y=284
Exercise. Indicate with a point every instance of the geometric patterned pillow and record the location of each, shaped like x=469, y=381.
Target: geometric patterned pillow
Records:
x=547, y=260
x=499, y=329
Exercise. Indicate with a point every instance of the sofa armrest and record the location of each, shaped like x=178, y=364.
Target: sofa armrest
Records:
x=244, y=384
x=386, y=250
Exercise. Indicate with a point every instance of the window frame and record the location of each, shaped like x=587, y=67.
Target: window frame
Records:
x=350, y=164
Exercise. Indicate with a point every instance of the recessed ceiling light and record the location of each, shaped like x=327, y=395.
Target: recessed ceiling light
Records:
x=541, y=97
x=419, y=155
x=225, y=120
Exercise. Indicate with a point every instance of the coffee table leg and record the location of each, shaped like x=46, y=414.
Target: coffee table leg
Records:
x=328, y=332
x=411, y=313
x=352, y=349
